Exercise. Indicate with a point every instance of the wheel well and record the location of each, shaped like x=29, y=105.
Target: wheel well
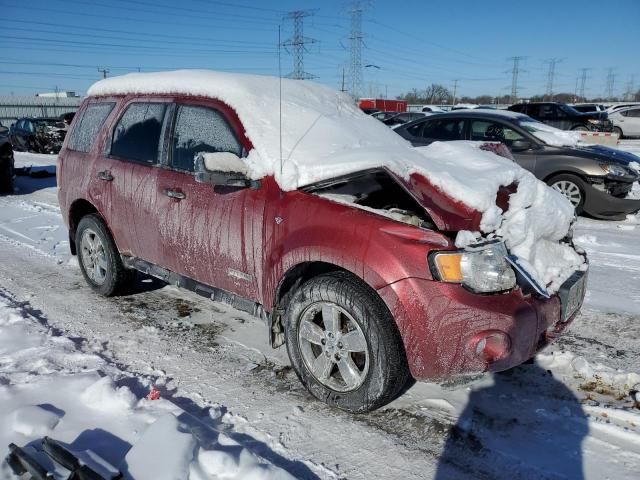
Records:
x=563, y=172
x=291, y=280
x=79, y=209
x=299, y=274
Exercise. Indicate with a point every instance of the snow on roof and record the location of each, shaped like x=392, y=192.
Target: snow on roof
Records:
x=318, y=123
x=325, y=135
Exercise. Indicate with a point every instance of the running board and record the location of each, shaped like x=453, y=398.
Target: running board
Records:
x=213, y=293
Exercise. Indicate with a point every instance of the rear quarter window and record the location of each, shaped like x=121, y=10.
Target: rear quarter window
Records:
x=86, y=129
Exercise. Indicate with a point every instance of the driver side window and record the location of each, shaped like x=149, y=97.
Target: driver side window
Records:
x=200, y=130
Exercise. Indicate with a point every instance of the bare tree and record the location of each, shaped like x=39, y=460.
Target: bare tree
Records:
x=433, y=94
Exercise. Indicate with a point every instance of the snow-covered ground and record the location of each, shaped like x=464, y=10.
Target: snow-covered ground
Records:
x=77, y=367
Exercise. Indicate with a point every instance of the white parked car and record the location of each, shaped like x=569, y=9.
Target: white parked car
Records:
x=626, y=122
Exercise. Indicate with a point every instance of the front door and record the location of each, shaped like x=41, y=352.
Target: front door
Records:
x=212, y=234
x=492, y=131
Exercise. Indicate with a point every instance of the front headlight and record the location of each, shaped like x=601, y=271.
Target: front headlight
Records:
x=483, y=269
x=615, y=170
x=593, y=120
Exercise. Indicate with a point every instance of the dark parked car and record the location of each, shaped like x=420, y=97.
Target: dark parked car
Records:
x=404, y=117
x=159, y=182
x=564, y=117
x=595, y=179
x=382, y=116
x=38, y=135
x=6, y=164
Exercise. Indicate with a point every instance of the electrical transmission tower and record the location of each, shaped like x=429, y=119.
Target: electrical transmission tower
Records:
x=611, y=78
x=551, y=75
x=515, y=71
x=355, y=68
x=630, y=84
x=583, y=80
x=297, y=42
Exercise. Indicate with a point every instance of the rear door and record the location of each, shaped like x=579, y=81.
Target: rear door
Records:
x=126, y=174
x=630, y=122
x=212, y=234
x=439, y=129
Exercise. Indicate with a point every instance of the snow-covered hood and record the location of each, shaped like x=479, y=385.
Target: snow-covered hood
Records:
x=322, y=134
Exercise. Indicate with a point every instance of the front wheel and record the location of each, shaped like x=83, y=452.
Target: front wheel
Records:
x=618, y=130
x=99, y=258
x=580, y=128
x=571, y=187
x=344, y=344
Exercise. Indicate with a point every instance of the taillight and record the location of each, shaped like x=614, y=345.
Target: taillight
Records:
x=491, y=345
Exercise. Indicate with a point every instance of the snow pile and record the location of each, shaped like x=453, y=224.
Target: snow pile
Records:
x=551, y=135
x=325, y=135
x=634, y=166
x=49, y=388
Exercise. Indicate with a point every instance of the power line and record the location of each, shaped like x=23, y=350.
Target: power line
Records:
x=298, y=42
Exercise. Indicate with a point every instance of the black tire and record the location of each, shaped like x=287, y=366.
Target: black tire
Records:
x=387, y=372
x=618, y=130
x=6, y=176
x=577, y=181
x=580, y=128
x=117, y=278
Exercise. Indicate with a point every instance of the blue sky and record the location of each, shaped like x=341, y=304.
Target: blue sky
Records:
x=62, y=43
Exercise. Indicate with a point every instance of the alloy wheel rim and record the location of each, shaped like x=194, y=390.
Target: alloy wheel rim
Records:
x=94, y=257
x=569, y=190
x=333, y=347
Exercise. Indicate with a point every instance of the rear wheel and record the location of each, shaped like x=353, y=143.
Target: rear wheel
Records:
x=344, y=345
x=618, y=130
x=99, y=258
x=571, y=187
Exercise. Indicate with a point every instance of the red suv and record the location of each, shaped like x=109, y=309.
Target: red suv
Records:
x=368, y=293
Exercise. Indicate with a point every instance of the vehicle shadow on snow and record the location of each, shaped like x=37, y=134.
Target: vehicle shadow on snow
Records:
x=527, y=425
x=32, y=179
x=206, y=424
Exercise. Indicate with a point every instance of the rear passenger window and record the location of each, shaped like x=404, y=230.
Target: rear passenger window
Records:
x=200, y=130
x=87, y=127
x=444, y=129
x=136, y=136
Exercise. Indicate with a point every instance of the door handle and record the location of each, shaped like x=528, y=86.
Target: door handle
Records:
x=105, y=175
x=174, y=194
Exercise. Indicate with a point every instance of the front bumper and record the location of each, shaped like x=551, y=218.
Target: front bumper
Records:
x=602, y=205
x=438, y=322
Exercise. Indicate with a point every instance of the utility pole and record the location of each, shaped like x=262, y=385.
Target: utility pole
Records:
x=343, y=89
x=583, y=80
x=611, y=78
x=455, y=91
x=104, y=72
x=515, y=71
x=298, y=42
x=355, y=69
x=551, y=75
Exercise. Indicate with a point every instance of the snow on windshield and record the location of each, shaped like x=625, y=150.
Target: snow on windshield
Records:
x=552, y=136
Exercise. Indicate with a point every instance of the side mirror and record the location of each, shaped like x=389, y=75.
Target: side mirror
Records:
x=520, y=145
x=221, y=168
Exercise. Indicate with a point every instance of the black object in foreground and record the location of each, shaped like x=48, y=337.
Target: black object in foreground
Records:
x=22, y=462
